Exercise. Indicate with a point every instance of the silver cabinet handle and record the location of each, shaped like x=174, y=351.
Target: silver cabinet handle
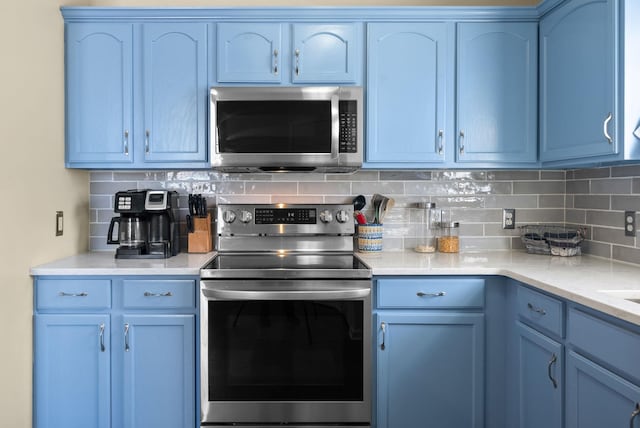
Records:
x=383, y=327
x=65, y=294
x=605, y=128
x=275, y=61
x=461, y=142
x=126, y=337
x=536, y=309
x=102, y=348
x=552, y=361
x=440, y=138
x=125, y=143
x=297, y=54
x=636, y=133
x=146, y=141
x=635, y=413
x=165, y=294
x=437, y=294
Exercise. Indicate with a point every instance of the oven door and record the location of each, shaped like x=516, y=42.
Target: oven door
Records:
x=286, y=351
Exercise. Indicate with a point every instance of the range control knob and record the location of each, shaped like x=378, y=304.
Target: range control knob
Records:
x=246, y=216
x=228, y=216
x=326, y=216
x=342, y=216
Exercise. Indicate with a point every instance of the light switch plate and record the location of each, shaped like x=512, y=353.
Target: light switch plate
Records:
x=59, y=223
x=509, y=218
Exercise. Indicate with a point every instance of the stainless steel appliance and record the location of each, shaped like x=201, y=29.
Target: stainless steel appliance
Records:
x=285, y=320
x=286, y=128
x=146, y=227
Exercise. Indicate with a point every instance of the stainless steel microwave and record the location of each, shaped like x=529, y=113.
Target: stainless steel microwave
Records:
x=278, y=129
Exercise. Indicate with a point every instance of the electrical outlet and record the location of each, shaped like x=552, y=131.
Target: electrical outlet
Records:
x=509, y=218
x=59, y=223
x=630, y=223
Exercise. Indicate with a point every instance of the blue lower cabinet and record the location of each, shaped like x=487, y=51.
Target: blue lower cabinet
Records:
x=540, y=379
x=158, y=380
x=430, y=369
x=72, y=371
x=598, y=398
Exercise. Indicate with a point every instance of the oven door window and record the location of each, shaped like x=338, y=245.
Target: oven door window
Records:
x=285, y=350
x=274, y=126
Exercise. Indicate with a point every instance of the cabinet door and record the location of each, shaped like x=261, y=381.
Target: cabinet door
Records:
x=72, y=371
x=158, y=378
x=578, y=63
x=408, y=88
x=540, y=380
x=175, y=92
x=99, y=88
x=325, y=53
x=597, y=398
x=249, y=53
x=497, y=92
x=430, y=371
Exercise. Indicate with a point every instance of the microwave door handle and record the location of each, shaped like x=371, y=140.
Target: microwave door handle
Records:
x=335, y=126
x=216, y=294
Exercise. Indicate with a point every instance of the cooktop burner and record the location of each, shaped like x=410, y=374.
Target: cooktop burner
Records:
x=246, y=265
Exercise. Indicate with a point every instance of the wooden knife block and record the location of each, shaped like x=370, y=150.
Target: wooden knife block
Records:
x=199, y=241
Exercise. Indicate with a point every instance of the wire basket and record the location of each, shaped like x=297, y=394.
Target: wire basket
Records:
x=550, y=239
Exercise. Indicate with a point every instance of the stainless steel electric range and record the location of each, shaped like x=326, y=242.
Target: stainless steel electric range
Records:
x=286, y=320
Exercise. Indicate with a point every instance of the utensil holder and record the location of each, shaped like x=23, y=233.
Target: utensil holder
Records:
x=370, y=237
x=199, y=241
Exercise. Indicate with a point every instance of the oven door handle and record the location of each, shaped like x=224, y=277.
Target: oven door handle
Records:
x=217, y=294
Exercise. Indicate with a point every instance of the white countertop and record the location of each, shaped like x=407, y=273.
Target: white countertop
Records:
x=581, y=279
x=104, y=263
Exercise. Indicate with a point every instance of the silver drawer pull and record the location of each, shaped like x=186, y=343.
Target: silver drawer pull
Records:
x=150, y=294
x=438, y=294
x=64, y=294
x=536, y=309
x=383, y=327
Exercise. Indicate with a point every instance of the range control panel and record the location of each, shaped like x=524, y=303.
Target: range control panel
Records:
x=285, y=219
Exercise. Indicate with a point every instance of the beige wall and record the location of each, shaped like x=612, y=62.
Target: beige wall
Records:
x=33, y=181
x=34, y=184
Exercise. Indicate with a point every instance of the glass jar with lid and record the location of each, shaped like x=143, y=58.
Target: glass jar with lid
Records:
x=449, y=239
x=427, y=226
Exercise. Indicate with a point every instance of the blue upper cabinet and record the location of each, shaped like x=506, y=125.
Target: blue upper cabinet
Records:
x=136, y=95
x=99, y=84
x=497, y=93
x=409, y=94
x=578, y=81
x=325, y=53
x=249, y=53
x=175, y=92
x=279, y=53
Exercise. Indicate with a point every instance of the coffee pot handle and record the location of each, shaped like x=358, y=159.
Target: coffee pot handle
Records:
x=110, y=239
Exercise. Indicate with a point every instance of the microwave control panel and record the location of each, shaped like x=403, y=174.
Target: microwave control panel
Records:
x=348, y=138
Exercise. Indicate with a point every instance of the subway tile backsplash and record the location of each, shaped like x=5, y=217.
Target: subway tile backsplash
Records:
x=594, y=198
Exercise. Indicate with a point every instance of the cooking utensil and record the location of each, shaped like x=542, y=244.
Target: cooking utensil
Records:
x=359, y=202
x=387, y=204
x=360, y=218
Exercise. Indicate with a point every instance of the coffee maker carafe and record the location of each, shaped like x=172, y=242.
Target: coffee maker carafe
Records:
x=147, y=224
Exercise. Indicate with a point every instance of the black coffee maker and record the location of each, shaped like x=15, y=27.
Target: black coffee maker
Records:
x=147, y=225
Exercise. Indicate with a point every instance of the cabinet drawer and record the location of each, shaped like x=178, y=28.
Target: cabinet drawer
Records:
x=541, y=311
x=151, y=293
x=73, y=294
x=616, y=346
x=431, y=293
